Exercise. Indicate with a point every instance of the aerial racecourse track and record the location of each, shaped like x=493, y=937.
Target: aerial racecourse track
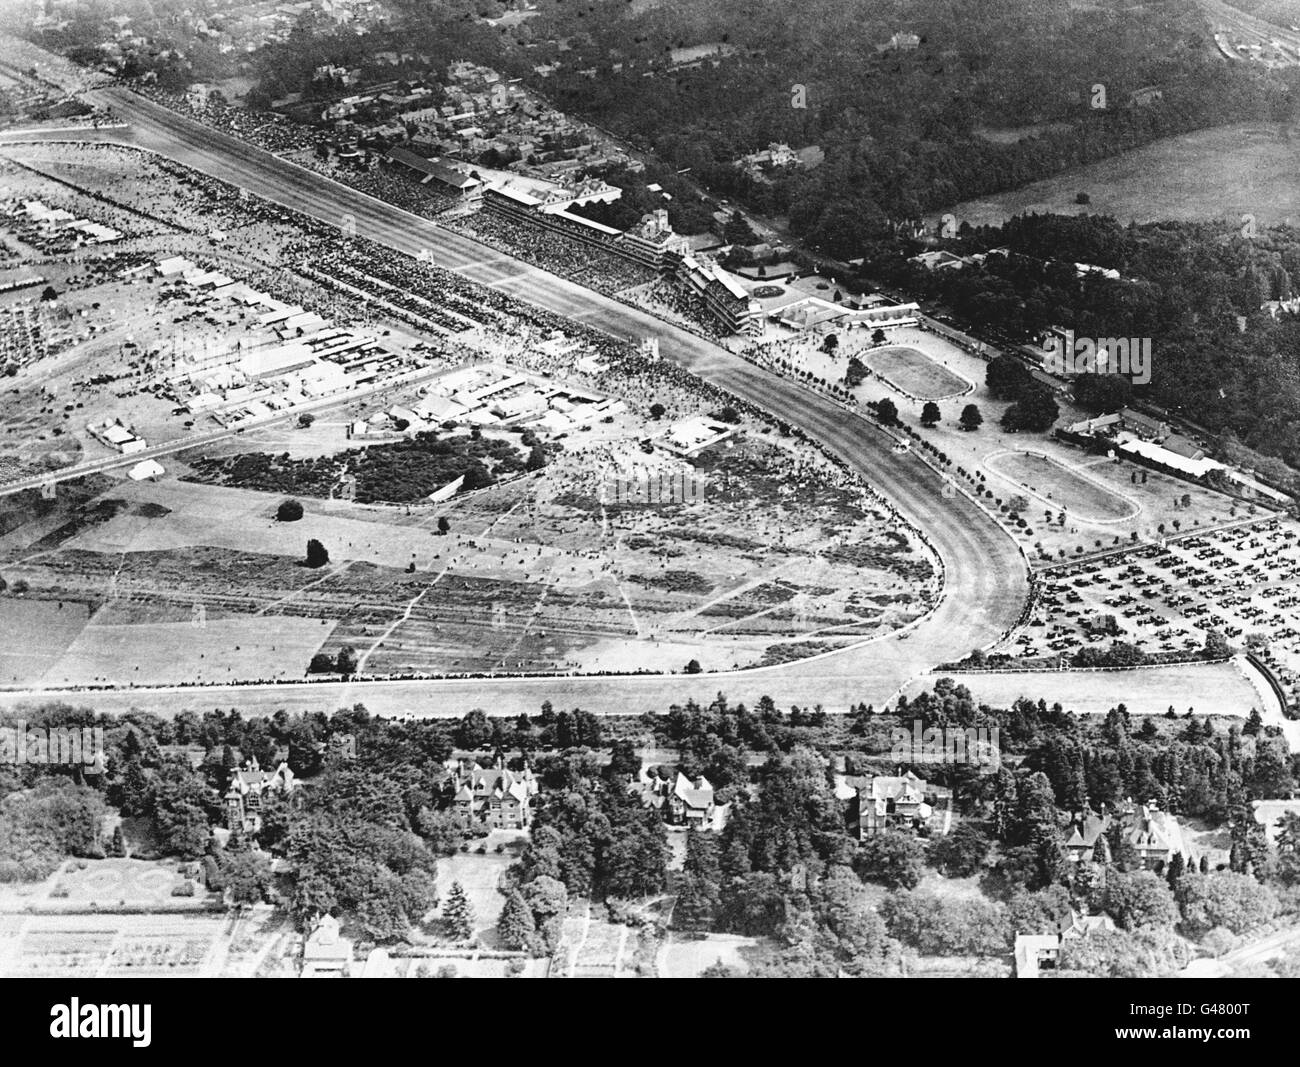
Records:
x=985, y=578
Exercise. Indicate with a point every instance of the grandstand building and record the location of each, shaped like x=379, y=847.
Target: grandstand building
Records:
x=549, y=214
x=444, y=178
x=723, y=296
x=650, y=243
x=653, y=243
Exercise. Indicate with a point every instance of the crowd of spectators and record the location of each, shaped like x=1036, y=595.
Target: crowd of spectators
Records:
x=283, y=136
x=409, y=298
x=161, y=195
x=665, y=300
x=267, y=130
x=591, y=267
x=397, y=189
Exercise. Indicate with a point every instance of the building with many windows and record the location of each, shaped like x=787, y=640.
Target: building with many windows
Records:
x=249, y=787
x=721, y=294
x=653, y=242
x=493, y=797
x=445, y=178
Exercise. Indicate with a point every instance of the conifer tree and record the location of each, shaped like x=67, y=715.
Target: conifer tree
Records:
x=458, y=913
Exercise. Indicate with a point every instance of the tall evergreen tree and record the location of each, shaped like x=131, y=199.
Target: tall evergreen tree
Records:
x=458, y=913
x=1177, y=868
x=1124, y=856
x=699, y=895
x=1006, y=802
x=515, y=927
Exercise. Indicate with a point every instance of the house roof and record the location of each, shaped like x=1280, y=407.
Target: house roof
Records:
x=479, y=783
x=1136, y=418
x=1028, y=947
x=1079, y=926
x=697, y=794
x=1182, y=446
x=1157, y=831
x=1084, y=832
x=904, y=787
x=324, y=943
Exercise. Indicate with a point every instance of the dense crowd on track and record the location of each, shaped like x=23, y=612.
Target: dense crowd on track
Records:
x=283, y=136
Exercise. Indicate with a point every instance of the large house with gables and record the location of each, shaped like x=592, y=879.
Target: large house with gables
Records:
x=887, y=802
x=248, y=788
x=681, y=801
x=492, y=797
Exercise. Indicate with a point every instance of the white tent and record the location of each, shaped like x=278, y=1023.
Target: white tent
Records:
x=144, y=470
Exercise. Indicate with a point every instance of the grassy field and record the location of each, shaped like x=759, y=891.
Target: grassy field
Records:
x=687, y=958
x=1211, y=687
x=212, y=650
x=1107, y=500
x=535, y=574
x=914, y=372
x=1051, y=480
x=479, y=876
x=1221, y=173
x=34, y=634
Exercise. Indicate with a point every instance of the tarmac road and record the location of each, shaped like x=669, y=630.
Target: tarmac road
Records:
x=986, y=582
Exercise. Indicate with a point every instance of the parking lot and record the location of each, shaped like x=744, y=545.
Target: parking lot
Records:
x=1243, y=582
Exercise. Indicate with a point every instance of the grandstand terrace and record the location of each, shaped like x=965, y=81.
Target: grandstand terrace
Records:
x=550, y=214
x=651, y=244
x=450, y=180
x=721, y=294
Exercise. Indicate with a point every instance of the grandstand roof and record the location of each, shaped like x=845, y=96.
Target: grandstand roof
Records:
x=600, y=227
x=517, y=195
x=732, y=285
x=431, y=168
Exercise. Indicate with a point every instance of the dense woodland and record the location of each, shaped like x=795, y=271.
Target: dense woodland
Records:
x=1186, y=286
x=899, y=128
x=362, y=839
